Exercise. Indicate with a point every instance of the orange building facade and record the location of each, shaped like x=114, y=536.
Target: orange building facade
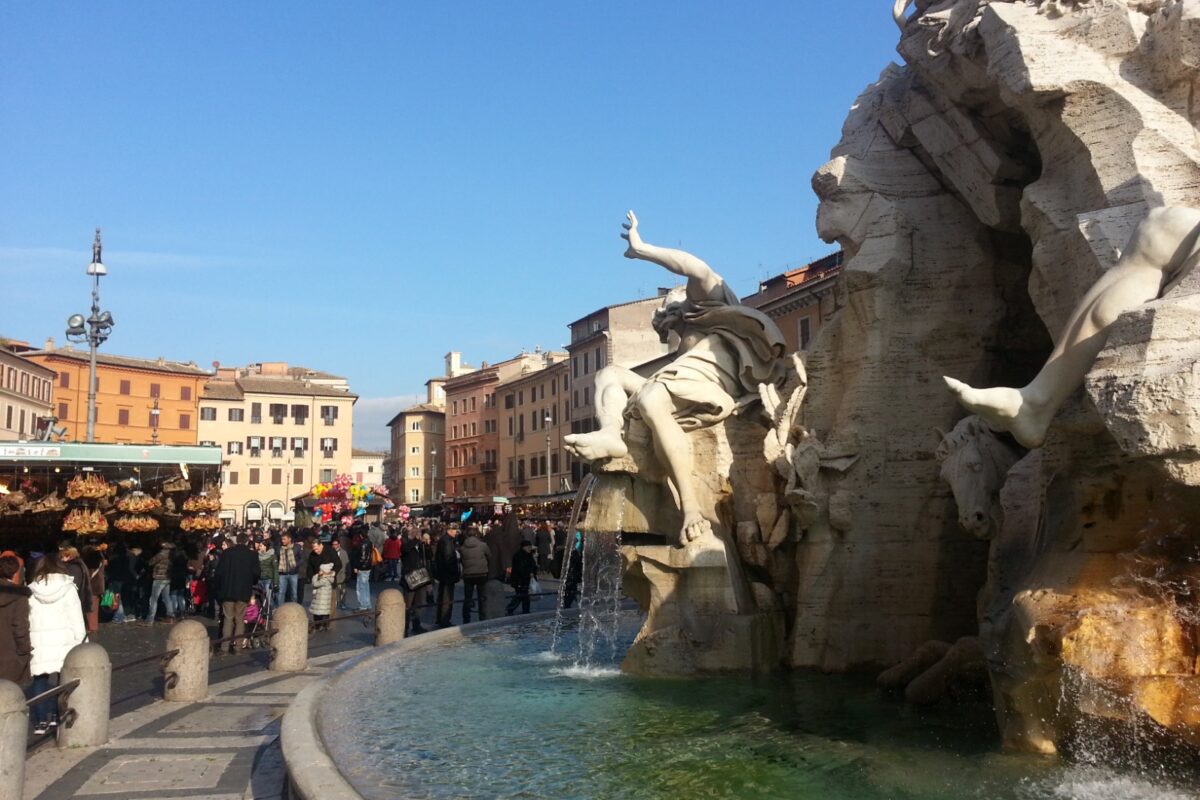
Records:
x=127, y=392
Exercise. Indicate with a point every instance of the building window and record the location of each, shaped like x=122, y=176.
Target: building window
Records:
x=299, y=414
x=124, y=387
x=472, y=428
x=208, y=414
x=414, y=451
x=472, y=403
x=585, y=363
x=414, y=472
x=278, y=411
x=234, y=448
x=62, y=411
x=237, y=414
x=805, y=333
x=254, y=475
x=185, y=421
x=255, y=413
x=326, y=475
x=123, y=416
x=453, y=407
x=298, y=476
x=154, y=390
x=521, y=397
x=233, y=478
x=587, y=399
x=299, y=445
x=185, y=393
x=329, y=414
x=416, y=425
x=414, y=496
x=64, y=380
x=208, y=444
x=276, y=476
x=508, y=401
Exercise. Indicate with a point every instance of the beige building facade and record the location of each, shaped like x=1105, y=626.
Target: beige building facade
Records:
x=26, y=392
x=418, y=451
x=535, y=412
x=366, y=466
x=281, y=429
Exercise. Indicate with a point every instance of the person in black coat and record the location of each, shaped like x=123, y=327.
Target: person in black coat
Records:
x=524, y=569
x=236, y=574
x=446, y=572
x=15, y=648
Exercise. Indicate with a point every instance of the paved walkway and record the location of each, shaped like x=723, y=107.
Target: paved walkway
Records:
x=225, y=747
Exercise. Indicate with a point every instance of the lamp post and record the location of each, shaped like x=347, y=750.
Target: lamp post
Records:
x=99, y=326
x=154, y=422
x=433, y=475
x=546, y=425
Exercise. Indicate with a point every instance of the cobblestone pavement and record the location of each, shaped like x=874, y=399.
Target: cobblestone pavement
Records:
x=223, y=748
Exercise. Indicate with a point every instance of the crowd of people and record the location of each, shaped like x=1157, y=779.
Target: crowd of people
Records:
x=51, y=601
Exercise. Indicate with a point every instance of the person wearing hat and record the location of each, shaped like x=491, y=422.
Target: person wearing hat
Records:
x=524, y=570
x=322, y=596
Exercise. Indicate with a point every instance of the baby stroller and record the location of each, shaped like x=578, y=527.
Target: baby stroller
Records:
x=257, y=619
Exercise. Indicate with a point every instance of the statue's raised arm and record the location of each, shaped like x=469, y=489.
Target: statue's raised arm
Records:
x=702, y=282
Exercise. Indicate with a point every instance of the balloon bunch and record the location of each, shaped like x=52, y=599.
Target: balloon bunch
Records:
x=343, y=496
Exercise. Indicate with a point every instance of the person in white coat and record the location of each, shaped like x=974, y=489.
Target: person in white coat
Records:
x=55, y=626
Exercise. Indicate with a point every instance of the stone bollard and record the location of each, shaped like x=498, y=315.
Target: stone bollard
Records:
x=90, y=701
x=289, y=644
x=14, y=732
x=390, y=615
x=190, y=664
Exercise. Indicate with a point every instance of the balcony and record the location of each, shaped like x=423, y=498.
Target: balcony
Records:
x=488, y=466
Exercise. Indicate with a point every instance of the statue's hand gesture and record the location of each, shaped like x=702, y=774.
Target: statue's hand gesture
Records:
x=630, y=235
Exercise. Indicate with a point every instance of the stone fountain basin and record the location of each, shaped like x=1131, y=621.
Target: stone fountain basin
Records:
x=312, y=772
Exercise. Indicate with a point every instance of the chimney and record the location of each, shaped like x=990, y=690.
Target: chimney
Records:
x=49, y=343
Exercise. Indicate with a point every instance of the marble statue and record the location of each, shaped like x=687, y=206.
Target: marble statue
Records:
x=725, y=351
x=1161, y=251
x=974, y=463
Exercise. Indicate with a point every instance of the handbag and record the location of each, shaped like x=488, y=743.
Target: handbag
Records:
x=534, y=586
x=109, y=600
x=417, y=578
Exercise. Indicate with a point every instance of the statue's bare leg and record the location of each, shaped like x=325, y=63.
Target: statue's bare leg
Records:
x=614, y=387
x=674, y=450
x=1163, y=245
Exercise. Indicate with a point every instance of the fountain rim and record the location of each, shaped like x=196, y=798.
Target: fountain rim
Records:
x=311, y=772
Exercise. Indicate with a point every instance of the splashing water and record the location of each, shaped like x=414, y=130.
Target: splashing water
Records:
x=582, y=498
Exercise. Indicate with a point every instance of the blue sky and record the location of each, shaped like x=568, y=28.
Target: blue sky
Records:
x=361, y=187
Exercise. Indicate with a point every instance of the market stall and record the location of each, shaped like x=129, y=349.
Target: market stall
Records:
x=341, y=500
x=49, y=490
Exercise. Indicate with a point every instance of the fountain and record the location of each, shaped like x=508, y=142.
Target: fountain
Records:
x=1013, y=551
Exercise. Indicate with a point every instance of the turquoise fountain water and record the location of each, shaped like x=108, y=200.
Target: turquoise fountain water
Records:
x=496, y=716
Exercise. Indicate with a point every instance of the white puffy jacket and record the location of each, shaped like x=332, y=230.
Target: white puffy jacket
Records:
x=55, y=622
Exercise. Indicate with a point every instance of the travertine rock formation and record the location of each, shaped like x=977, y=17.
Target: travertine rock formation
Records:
x=979, y=191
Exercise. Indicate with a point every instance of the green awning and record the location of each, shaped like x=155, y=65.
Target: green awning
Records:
x=83, y=453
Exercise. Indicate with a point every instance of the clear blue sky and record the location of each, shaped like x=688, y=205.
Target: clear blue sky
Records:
x=361, y=187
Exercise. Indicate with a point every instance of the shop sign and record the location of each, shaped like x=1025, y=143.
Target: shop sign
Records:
x=30, y=451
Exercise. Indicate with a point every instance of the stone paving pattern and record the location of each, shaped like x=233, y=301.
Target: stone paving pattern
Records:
x=225, y=747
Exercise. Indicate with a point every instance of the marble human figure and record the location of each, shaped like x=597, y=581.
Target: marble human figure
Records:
x=1160, y=252
x=725, y=351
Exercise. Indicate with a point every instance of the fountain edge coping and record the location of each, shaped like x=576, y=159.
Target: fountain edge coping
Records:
x=312, y=773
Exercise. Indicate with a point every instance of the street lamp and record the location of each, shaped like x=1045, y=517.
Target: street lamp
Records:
x=433, y=475
x=154, y=422
x=546, y=425
x=99, y=326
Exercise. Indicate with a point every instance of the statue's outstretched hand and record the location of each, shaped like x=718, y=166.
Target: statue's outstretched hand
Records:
x=631, y=235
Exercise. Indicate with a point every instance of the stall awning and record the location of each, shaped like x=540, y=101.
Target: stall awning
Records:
x=254, y=514
x=81, y=452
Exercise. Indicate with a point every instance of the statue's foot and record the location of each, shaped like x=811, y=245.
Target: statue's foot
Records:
x=596, y=445
x=1004, y=409
x=695, y=527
